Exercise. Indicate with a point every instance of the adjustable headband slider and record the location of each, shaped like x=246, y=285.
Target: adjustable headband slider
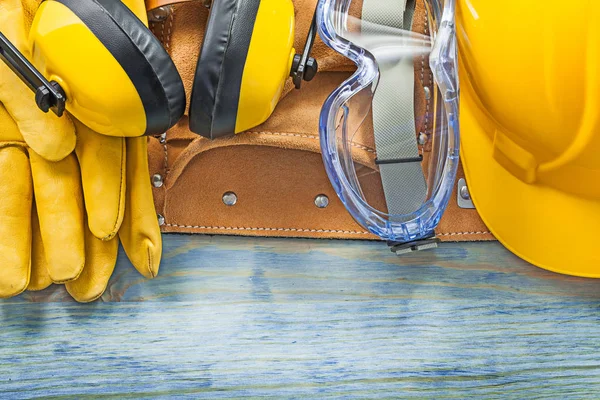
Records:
x=305, y=67
x=54, y=101
x=48, y=95
x=303, y=71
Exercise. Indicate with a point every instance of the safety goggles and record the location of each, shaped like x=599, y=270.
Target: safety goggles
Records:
x=410, y=131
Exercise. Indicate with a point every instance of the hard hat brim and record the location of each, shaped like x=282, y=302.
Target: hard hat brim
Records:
x=548, y=228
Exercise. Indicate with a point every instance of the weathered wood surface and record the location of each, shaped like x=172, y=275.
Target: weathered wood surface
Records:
x=231, y=317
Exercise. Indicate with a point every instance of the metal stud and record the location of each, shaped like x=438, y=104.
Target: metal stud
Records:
x=321, y=201
x=161, y=219
x=229, y=199
x=464, y=193
x=159, y=14
x=427, y=92
x=464, y=197
x=423, y=138
x=157, y=180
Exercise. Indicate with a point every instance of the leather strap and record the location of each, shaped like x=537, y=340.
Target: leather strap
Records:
x=152, y=4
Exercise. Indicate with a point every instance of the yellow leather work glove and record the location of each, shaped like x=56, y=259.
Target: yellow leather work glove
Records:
x=111, y=174
x=21, y=246
x=24, y=127
x=60, y=247
x=118, y=199
x=20, y=239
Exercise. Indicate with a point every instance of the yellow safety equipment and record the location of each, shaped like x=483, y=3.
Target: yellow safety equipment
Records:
x=530, y=113
x=118, y=80
x=246, y=57
x=103, y=184
x=118, y=200
x=117, y=77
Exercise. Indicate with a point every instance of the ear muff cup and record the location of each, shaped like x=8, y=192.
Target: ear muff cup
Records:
x=220, y=68
x=141, y=56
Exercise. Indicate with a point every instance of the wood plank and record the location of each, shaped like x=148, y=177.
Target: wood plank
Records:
x=238, y=317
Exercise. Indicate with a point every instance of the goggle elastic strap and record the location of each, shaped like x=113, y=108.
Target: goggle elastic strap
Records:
x=398, y=157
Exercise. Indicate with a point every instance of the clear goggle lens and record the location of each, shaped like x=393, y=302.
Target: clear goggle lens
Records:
x=390, y=147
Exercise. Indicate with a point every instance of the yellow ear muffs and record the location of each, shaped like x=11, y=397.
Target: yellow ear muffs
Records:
x=117, y=77
x=246, y=57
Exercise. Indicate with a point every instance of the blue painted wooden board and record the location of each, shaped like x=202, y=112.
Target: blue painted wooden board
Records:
x=236, y=317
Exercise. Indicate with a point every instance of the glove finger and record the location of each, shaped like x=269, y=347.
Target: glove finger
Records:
x=57, y=187
x=140, y=233
x=29, y=9
x=9, y=9
x=40, y=278
x=102, y=160
x=51, y=137
x=15, y=221
x=9, y=132
x=101, y=258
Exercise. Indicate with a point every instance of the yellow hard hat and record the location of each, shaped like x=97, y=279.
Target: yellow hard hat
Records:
x=530, y=122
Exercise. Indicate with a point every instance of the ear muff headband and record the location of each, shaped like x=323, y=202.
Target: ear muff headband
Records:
x=218, y=78
x=141, y=56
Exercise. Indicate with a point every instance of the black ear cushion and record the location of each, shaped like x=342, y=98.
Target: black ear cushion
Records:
x=141, y=55
x=218, y=78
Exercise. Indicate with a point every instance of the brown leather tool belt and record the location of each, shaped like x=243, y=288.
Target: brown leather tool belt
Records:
x=269, y=181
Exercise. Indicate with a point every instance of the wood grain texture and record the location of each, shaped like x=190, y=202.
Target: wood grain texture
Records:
x=235, y=317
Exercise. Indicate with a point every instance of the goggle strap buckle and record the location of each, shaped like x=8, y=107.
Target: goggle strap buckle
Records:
x=426, y=243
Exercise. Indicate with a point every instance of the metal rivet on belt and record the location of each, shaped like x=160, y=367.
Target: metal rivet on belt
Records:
x=163, y=138
x=321, y=201
x=229, y=199
x=161, y=219
x=464, y=193
x=157, y=180
x=463, y=197
x=427, y=92
x=423, y=138
x=159, y=14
